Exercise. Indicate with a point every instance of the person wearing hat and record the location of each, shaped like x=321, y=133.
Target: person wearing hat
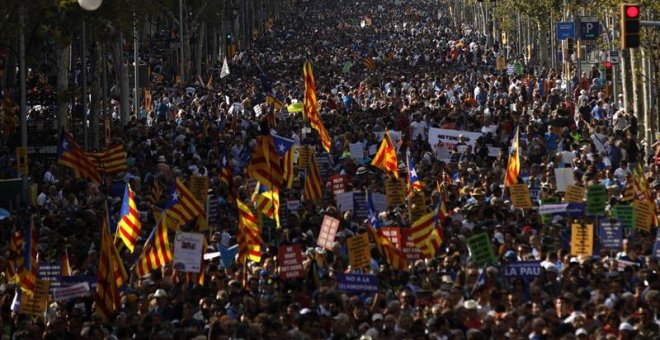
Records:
x=164, y=170
x=163, y=306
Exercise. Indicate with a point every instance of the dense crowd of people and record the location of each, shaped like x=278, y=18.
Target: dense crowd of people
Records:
x=426, y=74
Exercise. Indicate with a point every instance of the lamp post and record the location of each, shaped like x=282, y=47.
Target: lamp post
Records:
x=88, y=5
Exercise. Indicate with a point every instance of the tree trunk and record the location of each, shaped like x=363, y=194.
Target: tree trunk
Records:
x=63, y=57
x=122, y=74
x=199, y=49
x=215, y=55
x=646, y=109
x=96, y=62
x=624, y=79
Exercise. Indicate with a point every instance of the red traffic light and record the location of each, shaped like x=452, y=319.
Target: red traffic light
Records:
x=608, y=65
x=632, y=12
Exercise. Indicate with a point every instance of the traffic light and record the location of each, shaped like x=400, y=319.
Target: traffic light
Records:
x=630, y=26
x=570, y=48
x=229, y=38
x=608, y=71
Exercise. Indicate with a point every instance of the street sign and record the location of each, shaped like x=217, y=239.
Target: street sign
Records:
x=589, y=28
x=614, y=57
x=565, y=30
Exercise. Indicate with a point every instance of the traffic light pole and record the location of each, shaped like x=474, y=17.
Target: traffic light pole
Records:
x=650, y=23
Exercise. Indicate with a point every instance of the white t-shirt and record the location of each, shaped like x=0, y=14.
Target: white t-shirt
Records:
x=418, y=129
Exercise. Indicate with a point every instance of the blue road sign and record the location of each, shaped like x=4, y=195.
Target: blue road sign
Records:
x=589, y=28
x=565, y=30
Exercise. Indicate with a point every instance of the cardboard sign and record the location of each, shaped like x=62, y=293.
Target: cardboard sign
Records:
x=574, y=194
x=328, y=232
x=359, y=251
x=481, y=249
x=290, y=260
x=523, y=269
x=199, y=188
x=338, y=183
x=408, y=247
x=596, y=200
x=520, y=196
x=37, y=303
x=395, y=190
x=188, y=252
x=357, y=283
x=22, y=161
x=610, y=233
x=393, y=234
x=564, y=177
x=643, y=215
x=417, y=205
x=449, y=138
x=582, y=239
x=71, y=292
x=625, y=214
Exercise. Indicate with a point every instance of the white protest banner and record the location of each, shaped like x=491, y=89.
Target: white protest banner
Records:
x=564, y=178
x=449, y=138
x=188, y=252
x=357, y=150
x=211, y=256
x=67, y=293
x=493, y=151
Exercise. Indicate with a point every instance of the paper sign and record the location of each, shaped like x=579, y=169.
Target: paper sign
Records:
x=36, y=304
x=293, y=205
x=551, y=209
x=520, y=196
x=396, y=192
x=643, y=215
x=199, y=188
x=51, y=272
x=357, y=283
x=91, y=280
x=22, y=161
x=596, y=200
x=574, y=194
x=610, y=233
x=338, y=183
x=418, y=205
x=625, y=214
x=188, y=252
x=523, y=269
x=71, y=292
x=408, y=247
x=582, y=239
x=290, y=260
x=328, y=232
x=356, y=150
x=656, y=246
x=359, y=251
x=345, y=201
x=564, y=178
x=304, y=153
x=481, y=249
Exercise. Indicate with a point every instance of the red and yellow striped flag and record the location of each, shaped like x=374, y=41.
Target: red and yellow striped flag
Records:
x=385, y=158
x=425, y=234
x=157, y=251
x=310, y=106
x=111, y=161
x=27, y=273
x=111, y=276
x=312, y=190
x=64, y=262
x=71, y=155
x=288, y=170
x=513, y=166
x=265, y=164
x=249, y=234
x=129, y=224
x=182, y=206
x=15, y=259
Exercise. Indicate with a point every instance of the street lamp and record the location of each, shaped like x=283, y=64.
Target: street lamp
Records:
x=88, y=5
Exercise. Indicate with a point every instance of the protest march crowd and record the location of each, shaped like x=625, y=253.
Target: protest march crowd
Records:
x=364, y=171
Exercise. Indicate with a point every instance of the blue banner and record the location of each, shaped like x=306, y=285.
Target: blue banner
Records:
x=576, y=209
x=610, y=233
x=71, y=280
x=357, y=283
x=523, y=269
